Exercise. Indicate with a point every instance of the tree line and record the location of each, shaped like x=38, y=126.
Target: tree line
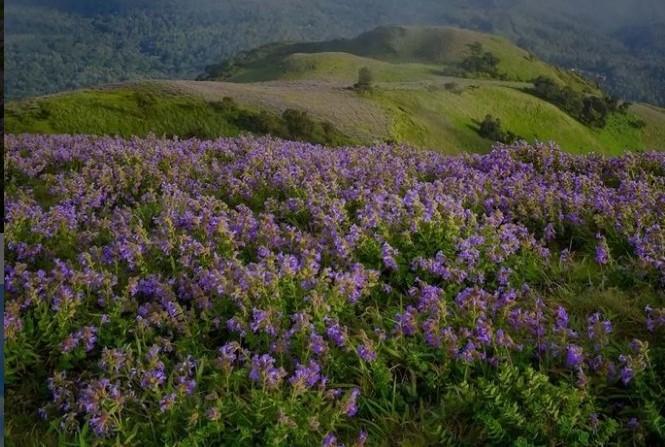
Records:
x=591, y=110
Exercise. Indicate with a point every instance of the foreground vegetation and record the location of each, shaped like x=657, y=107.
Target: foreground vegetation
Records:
x=263, y=292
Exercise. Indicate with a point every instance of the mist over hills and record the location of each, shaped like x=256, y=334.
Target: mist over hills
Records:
x=65, y=44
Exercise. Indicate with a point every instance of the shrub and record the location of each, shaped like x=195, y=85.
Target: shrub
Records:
x=588, y=109
x=365, y=80
x=480, y=61
x=490, y=128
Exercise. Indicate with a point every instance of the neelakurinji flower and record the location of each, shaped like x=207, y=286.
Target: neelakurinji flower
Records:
x=271, y=261
x=366, y=352
x=602, y=250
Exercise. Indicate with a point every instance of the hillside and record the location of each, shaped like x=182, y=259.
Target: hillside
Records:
x=414, y=100
x=55, y=45
x=420, y=114
x=421, y=53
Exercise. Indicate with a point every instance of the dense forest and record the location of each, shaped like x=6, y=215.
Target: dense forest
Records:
x=54, y=45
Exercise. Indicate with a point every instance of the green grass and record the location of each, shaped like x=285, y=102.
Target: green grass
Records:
x=423, y=114
x=125, y=111
x=396, y=53
x=447, y=120
x=336, y=66
x=653, y=134
x=410, y=102
x=148, y=108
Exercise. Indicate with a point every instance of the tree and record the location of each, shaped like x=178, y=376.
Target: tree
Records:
x=476, y=48
x=588, y=109
x=545, y=87
x=365, y=80
x=480, y=61
x=491, y=129
x=298, y=123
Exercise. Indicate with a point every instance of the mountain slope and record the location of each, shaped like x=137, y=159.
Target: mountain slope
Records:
x=424, y=114
x=413, y=100
x=53, y=45
x=429, y=50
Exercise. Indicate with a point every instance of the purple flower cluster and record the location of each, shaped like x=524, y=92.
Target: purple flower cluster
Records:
x=264, y=371
x=162, y=270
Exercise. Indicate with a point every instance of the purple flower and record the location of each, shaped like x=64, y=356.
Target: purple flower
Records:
x=154, y=377
x=71, y=342
x=594, y=421
x=167, y=402
x=261, y=321
x=561, y=319
x=100, y=424
x=350, y=407
x=362, y=438
x=317, y=344
x=549, y=232
x=483, y=331
x=655, y=318
x=598, y=330
x=236, y=326
x=633, y=423
x=469, y=353
x=186, y=385
x=330, y=440
x=388, y=254
x=503, y=277
x=366, y=352
x=406, y=322
x=228, y=353
x=432, y=333
x=214, y=241
x=213, y=414
x=306, y=376
x=565, y=256
x=264, y=371
x=602, y=250
x=89, y=337
x=430, y=299
x=627, y=374
x=574, y=356
x=336, y=333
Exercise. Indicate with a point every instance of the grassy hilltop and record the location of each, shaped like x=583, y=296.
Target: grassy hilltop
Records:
x=421, y=96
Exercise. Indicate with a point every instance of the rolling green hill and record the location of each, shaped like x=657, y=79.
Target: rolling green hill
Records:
x=408, y=53
x=56, y=45
x=414, y=100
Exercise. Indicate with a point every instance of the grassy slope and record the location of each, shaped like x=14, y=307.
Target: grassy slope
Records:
x=653, y=135
x=409, y=104
x=429, y=48
x=363, y=120
x=439, y=117
x=133, y=109
x=423, y=114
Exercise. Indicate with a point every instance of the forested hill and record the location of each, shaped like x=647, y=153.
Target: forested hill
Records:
x=54, y=45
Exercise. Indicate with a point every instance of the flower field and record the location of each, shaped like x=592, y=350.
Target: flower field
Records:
x=262, y=292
